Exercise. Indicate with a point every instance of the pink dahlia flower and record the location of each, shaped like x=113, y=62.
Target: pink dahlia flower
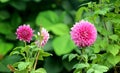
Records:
x=24, y=33
x=83, y=33
x=44, y=36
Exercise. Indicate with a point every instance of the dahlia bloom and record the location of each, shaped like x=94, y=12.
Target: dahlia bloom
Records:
x=43, y=37
x=83, y=33
x=24, y=33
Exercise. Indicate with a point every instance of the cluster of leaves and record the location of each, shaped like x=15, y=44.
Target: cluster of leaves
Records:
x=27, y=63
x=85, y=58
x=105, y=16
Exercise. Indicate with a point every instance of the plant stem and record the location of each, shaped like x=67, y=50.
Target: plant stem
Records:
x=36, y=60
x=25, y=44
x=26, y=52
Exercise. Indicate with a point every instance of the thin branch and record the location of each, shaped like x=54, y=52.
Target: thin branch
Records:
x=36, y=59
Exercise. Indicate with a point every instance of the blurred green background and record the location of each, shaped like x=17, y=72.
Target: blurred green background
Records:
x=57, y=16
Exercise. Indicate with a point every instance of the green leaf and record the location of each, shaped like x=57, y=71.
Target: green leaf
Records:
x=43, y=54
x=4, y=1
x=113, y=59
x=93, y=56
x=63, y=45
x=91, y=70
x=113, y=49
x=4, y=15
x=81, y=65
x=102, y=11
x=65, y=56
x=114, y=37
x=104, y=43
x=46, y=54
x=100, y=68
x=46, y=19
x=113, y=17
x=40, y=70
x=102, y=31
x=18, y=48
x=85, y=56
x=59, y=29
x=41, y=58
x=14, y=52
x=72, y=56
x=96, y=68
x=77, y=71
x=23, y=65
x=115, y=20
x=96, y=71
x=5, y=47
x=80, y=13
x=109, y=27
x=50, y=21
x=22, y=71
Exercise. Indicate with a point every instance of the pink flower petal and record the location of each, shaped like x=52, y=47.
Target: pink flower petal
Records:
x=83, y=33
x=24, y=33
x=45, y=36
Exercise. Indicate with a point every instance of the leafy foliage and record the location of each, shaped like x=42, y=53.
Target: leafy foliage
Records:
x=104, y=16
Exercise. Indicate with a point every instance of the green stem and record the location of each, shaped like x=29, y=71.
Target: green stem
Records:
x=83, y=50
x=36, y=60
x=25, y=44
x=83, y=59
x=83, y=55
x=26, y=52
